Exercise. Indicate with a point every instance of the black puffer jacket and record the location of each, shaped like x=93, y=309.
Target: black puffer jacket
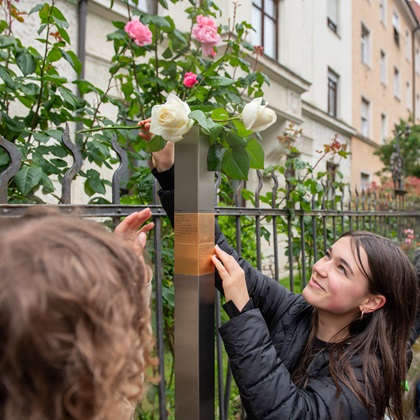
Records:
x=264, y=344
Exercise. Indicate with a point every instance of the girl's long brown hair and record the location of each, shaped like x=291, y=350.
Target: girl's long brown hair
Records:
x=380, y=339
x=75, y=336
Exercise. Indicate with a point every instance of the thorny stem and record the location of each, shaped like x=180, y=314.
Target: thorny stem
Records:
x=304, y=178
x=41, y=75
x=95, y=114
x=134, y=70
x=8, y=16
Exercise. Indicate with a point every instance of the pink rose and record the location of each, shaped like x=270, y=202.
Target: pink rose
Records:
x=138, y=32
x=205, y=31
x=190, y=79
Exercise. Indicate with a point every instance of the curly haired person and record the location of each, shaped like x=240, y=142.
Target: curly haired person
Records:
x=74, y=318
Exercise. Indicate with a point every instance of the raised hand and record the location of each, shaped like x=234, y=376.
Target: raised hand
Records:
x=233, y=278
x=128, y=230
x=163, y=159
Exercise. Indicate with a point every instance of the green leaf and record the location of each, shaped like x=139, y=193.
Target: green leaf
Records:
x=240, y=127
x=47, y=185
x=256, y=154
x=164, y=4
x=220, y=115
x=7, y=41
x=4, y=74
x=30, y=89
x=200, y=117
x=235, y=163
x=234, y=140
x=55, y=134
x=41, y=137
x=27, y=178
x=155, y=144
x=93, y=183
x=63, y=33
x=214, y=129
x=35, y=9
x=215, y=157
x=26, y=63
x=73, y=60
x=68, y=96
x=54, y=78
x=215, y=81
x=59, y=19
x=54, y=54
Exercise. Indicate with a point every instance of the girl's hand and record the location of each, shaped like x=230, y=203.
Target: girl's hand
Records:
x=233, y=278
x=163, y=159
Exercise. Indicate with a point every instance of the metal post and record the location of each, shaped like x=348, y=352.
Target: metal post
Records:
x=194, y=280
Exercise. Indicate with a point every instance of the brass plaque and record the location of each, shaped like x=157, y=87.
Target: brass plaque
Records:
x=194, y=243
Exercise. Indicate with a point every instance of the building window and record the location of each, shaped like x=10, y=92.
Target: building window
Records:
x=265, y=23
x=396, y=26
x=418, y=106
x=383, y=67
x=364, y=181
x=417, y=58
x=365, y=39
x=397, y=83
x=384, y=128
x=408, y=97
x=148, y=6
x=332, y=93
x=365, y=117
x=332, y=17
x=382, y=11
x=408, y=45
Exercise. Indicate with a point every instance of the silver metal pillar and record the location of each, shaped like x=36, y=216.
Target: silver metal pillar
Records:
x=194, y=280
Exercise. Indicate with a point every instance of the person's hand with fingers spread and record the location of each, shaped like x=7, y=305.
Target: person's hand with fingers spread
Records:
x=163, y=159
x=233, y=278
x=135, y=238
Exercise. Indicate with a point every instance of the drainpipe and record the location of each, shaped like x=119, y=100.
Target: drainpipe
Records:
x=81, y=34
x=81, y=50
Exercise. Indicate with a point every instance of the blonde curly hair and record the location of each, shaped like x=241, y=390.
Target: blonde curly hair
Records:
x=74, y=320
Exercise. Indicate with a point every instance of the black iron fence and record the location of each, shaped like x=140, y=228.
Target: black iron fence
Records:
x=285, y=242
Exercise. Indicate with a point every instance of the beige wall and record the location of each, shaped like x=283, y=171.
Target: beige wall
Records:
x=367, y=81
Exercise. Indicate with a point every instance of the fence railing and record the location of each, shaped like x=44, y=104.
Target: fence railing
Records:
x=284, y=243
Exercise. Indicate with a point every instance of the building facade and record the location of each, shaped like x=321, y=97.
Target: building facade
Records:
x=337, y=67
x=385, y=50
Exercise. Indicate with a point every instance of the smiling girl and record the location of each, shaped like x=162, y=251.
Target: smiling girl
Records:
x=339, y=350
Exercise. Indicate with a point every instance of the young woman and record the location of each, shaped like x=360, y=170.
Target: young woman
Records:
x=337, y=351
x=74, y=317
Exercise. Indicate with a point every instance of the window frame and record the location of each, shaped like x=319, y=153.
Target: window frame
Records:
x=332, y=105
x=382, y=11
x=384, y=127
x=397, y=83
x=396, y=25
x=262, y=11
x=365, y=119
x=332, y=21
x=383, y=67
x=365, y=40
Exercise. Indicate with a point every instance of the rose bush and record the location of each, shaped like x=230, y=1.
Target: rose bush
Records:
x=210, y=69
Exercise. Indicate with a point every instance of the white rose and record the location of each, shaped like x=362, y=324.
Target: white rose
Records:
x=258, y=117
x=170, y=120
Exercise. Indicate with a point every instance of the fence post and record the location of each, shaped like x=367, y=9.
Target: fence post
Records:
x=12, y=169
x=194, y=280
